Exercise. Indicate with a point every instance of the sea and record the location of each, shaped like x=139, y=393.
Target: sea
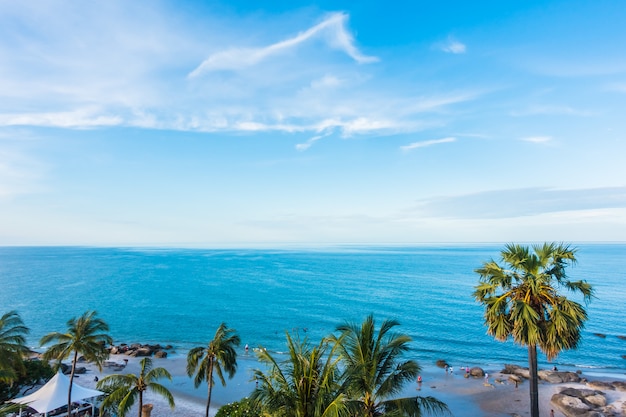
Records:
x=180, y=296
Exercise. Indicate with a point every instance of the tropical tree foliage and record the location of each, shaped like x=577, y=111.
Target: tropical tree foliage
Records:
x=219, y=356
x=12, y=346
x=376, y=371
x=523, y=300
x=125, y=390
x=304, y=385
x=85, y=335
x=35, y=371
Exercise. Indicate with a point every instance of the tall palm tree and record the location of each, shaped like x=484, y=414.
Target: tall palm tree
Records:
x=376, y=372
x=522, y=300
x=85, y=335
x=219, y=356
x=12, y=346
x=126, y=389
x=304, y=385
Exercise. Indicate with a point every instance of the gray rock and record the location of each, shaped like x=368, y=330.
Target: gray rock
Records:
x=477, y=372
x=600, y=385
x=556, y=377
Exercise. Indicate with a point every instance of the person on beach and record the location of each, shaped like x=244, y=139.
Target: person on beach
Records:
x=551, y=413
x=451, y=370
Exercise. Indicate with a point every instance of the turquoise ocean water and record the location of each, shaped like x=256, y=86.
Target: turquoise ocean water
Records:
x=179, y=296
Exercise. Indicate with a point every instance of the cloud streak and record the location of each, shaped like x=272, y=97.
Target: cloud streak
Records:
x=334, y=27
x=426, y=143
x=452, y=46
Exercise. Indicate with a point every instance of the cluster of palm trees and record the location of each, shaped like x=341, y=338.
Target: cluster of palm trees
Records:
x=357, y=372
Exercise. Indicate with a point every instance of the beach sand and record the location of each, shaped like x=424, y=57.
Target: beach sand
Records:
x=465, y=397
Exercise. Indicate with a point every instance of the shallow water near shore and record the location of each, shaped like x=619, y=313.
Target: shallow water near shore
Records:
x=179, y=296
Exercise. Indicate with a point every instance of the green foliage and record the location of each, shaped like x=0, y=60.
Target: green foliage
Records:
x=304, y=385
x=12, y=346
x=523, y=299
x=124, y=390
x=86, y=335
x=219, y=356
x=35, y=371
x=242, y=408
x=358, y=373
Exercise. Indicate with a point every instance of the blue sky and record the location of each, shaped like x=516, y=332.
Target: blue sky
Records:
x=242, y=123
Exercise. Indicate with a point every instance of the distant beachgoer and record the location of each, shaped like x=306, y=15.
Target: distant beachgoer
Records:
x=246, y=347
x=486, y=377
x=451, y=369
x=95, y=378
x=555, y=368
x=446, y=368
x=551, y=413
x=467, y=369
x=419, y=379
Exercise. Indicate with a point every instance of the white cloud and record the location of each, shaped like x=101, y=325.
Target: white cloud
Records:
x=237, y=58
x=452, y=46
x=83, y=117
x=537, y=139
x=327, y=81
x=426, y=143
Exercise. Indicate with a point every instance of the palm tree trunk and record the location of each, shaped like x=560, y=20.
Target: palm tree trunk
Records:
x=69, y=391
x=534, y=385
x=209, y=382
x=140, y=403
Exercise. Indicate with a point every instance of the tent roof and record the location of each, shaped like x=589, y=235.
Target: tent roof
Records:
x=54, y=394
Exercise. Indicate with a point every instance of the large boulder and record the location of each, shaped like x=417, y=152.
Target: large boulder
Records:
x=556, y=377
x=477, y=372
x=579, y=402
x=620, y=386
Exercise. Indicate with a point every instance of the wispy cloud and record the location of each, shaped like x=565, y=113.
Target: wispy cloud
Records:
x=538, y=139
x=522, y=202
x=426, y=143
x=334, y=27
x=452, y=46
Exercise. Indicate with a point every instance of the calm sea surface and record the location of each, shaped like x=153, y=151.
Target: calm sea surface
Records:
x=179, y=296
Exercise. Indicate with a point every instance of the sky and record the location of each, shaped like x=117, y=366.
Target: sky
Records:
x=238, y=123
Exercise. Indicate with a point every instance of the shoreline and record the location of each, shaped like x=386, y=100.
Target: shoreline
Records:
x=464, y=396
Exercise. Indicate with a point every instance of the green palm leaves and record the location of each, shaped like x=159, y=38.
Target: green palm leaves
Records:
x=125, y=390
x=305, y=385
x=219, y=356
x=12, y=346
x=376, y=372
x=85, y=335
x=358, y=373
x=523, y=300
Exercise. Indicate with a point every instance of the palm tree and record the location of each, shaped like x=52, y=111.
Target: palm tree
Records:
x=522, y=301
x=304, y=385
x=126, y=389
x=85, y=335
x=12, y=346
x=375, y=371
x=219, y=356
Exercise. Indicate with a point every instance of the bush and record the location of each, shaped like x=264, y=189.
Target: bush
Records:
x=242, y=408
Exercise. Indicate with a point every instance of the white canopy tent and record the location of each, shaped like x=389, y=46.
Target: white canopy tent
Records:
x=53, y=395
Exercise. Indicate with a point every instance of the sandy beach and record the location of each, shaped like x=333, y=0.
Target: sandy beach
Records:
x=464, y=396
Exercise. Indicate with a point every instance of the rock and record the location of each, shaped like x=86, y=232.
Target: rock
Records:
x=579, y=402
x=515, y=378
x=510, y=369
x=477, y=372
x=80, y=370
x=556, y=377
x=570, y=406
x=169, y=347
x=620, y=386
x=143, y=351
x=600, y=385
x=600, y=335
x=523, y=372
x=114, y=350
x=160, y=354
x=621, y=337
x=441, y=363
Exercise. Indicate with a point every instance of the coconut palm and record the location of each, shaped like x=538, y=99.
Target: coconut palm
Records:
x=522, y=300
x=304, y=385
x=85, y=335
x=12, y=346
x=125, y=390
x=219, y=356
x=376, y=372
